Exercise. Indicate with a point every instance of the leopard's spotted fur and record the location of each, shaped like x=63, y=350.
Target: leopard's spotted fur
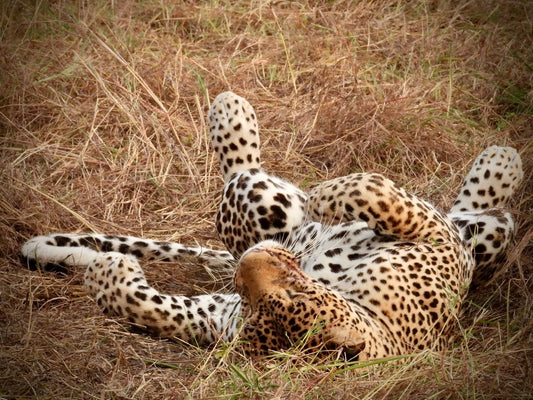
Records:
x=380, y=272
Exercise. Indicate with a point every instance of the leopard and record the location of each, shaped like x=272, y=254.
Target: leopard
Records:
x=357, y=265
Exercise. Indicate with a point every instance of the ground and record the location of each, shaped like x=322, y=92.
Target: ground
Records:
x=102, y=121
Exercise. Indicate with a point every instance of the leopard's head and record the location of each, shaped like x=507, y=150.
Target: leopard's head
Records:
x=287, y=306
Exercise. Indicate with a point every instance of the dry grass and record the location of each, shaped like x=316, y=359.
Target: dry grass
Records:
x=102, y=128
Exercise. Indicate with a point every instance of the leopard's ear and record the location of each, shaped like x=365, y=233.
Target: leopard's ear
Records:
x=350, y=340
x=353, y=348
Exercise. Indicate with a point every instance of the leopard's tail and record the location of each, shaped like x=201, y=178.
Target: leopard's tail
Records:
x=61, y=252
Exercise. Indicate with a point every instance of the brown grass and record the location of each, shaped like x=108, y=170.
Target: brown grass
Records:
x=102, y=128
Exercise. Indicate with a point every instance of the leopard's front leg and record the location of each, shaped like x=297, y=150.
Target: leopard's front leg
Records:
x=119, y=286
x=115, y=279
x=385, y=207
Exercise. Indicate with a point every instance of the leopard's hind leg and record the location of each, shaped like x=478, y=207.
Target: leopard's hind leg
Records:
x=255, y=205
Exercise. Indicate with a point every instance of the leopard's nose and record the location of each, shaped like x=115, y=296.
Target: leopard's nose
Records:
x=256, y=250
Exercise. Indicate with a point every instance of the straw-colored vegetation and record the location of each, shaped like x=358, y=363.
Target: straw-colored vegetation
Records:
x=102, y=129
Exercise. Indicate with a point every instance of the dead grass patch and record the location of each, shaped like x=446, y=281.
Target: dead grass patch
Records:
x=102, y=128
